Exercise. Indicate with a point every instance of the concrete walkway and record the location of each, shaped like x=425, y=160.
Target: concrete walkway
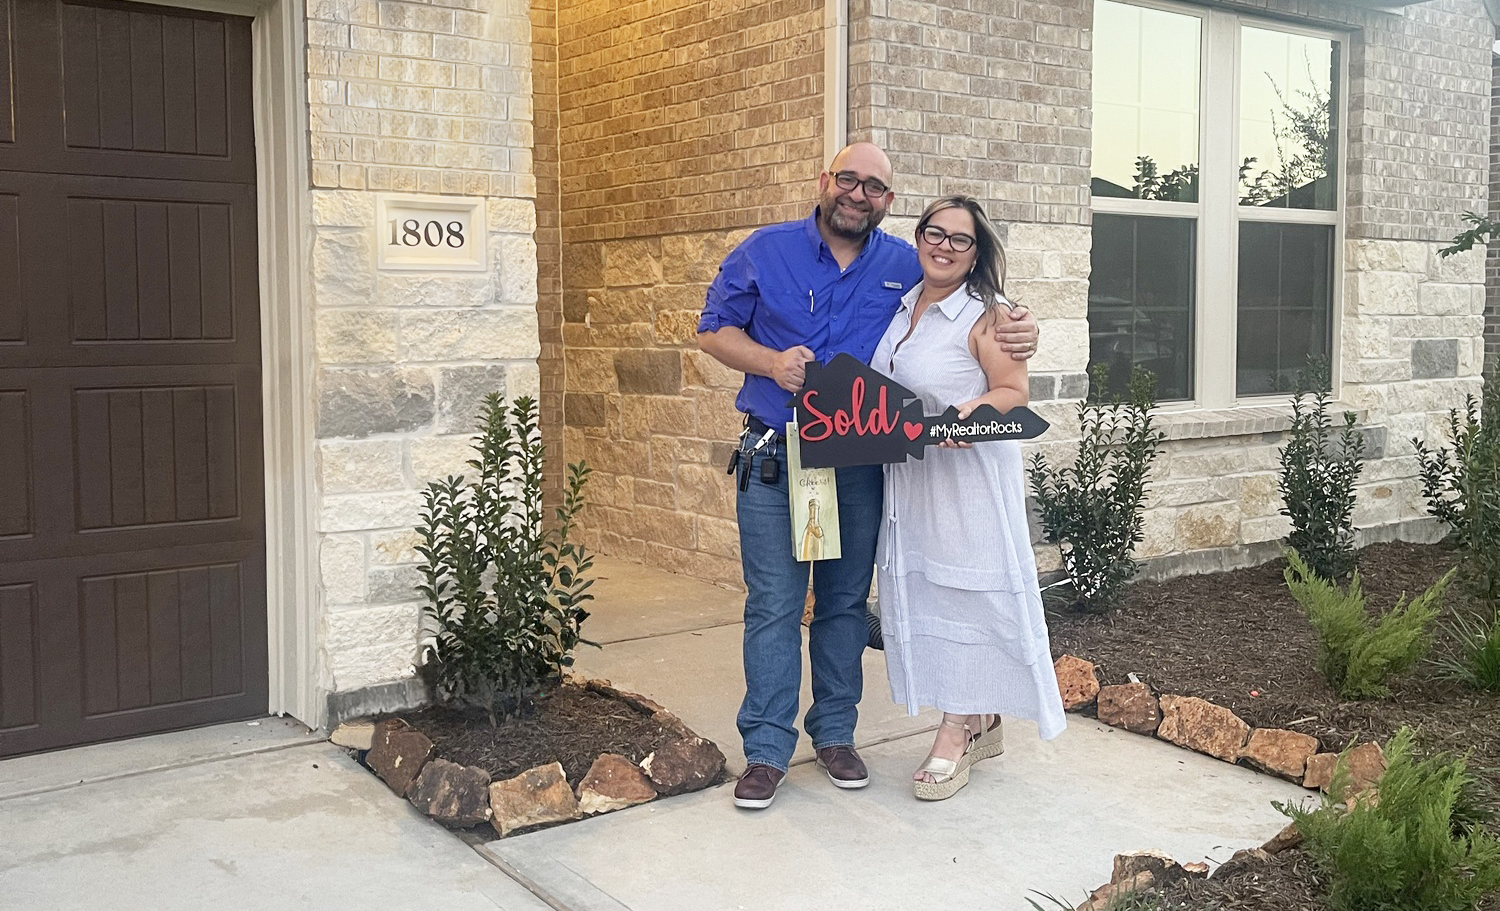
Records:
x=267, y=816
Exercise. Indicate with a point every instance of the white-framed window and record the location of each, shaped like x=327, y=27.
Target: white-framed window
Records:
x=1217, y=199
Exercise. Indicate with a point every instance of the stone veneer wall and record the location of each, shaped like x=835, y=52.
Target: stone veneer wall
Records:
x=427, y=97
x=996, y=104
x=682, y=126
x=1492, y=256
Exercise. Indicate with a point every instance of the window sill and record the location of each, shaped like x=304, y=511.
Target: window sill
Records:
x=1205, y=424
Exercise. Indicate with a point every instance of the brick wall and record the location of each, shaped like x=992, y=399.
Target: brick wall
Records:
x=1492, y=257
x=680, y=129
x=414, y=97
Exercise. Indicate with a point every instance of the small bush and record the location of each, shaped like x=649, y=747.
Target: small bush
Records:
x=1462, y=488
x=504, y=594
x=1355, y=654
x=1477, y=662
x=1093, y=509
x=1414, y=846
x=1317, y=482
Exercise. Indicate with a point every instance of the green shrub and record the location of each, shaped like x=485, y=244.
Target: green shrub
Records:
x=1462, y=488
x=1414, y=847
x=1317, y=482
x=1093, y=509
x=505, y=595
x=1477, y=662
x=1355, y=654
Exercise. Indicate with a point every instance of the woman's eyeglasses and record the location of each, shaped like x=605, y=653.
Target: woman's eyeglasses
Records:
x=935, y=236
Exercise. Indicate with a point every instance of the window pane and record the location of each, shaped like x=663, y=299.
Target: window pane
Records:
x=1141, y=301
x=1284, y=303
x=1288, y=132
x=1145, y=103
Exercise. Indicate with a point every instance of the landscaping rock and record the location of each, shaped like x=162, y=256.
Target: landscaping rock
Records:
x=1196, y=869
x=1114, y=895
x=397, y=754
x=1288, y=838
x=1131, y=706
x=688, y=764
x=1202, y=726
x=1241, y=861
x=355, y=735
x=455, y=795
x=534, y=797
x=1163, y=869
x=1076, y=681
x=1280, y=752
x=613, y=783
x=1366, y=765
x=635, y=700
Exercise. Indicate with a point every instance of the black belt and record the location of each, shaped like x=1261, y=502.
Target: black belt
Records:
x=758, y=428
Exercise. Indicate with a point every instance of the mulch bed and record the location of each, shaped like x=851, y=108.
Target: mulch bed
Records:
x=1240, y=640
x=571, y=725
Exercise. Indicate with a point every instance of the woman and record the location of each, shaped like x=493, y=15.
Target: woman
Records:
x=961, y=612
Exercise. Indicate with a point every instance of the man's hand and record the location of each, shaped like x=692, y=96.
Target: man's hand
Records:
x=789, y=368
x=1018, y=334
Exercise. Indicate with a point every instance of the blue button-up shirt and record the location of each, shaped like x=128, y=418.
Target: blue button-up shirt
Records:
x=784, y=288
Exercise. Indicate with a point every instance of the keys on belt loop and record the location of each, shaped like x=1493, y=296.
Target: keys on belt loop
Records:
x=746, y=457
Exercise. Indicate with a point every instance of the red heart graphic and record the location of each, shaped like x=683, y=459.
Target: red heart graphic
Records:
x=912, y=430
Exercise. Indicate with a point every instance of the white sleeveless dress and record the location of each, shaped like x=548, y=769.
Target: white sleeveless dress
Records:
x=960, y=608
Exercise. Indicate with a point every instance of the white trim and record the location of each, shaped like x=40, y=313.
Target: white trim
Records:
x=293, y=603
x=835, y=77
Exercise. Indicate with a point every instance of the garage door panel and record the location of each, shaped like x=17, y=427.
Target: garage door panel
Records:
x=12, y=311
x=20, y=647
x=7, y=87
x=16, y=471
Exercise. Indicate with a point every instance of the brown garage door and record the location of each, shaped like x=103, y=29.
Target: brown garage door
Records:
x=132, y=549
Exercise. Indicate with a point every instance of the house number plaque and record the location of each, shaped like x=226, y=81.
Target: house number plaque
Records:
x=430, y=233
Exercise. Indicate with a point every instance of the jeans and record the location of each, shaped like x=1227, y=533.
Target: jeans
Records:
x=776, y=585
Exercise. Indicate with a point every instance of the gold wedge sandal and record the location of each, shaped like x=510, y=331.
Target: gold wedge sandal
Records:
x=989, y=742
x=949, y=777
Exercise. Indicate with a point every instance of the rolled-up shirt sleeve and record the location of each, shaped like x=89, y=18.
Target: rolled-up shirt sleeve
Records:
x=733, y=295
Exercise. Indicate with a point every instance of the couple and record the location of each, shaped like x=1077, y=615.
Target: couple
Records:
x=963, y=624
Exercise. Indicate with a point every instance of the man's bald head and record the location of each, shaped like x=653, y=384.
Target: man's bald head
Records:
x=853, y=211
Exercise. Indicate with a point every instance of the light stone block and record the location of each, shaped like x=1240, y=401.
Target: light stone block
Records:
x=397, y=290
x=516, y=269
x=354, y=668
x=1270, y=528
x=1158, y=533
x=343, y=209
x=388, y=548
x=435, y=458
x=1063, y=346
x=1384, y=293
x=512, y=216
x=341, y=565
x=523, y=378
x=343, y=269
x=363, y=466
x=1259, y=496
x=350, y=336
x=499, y=333
x=369, y=512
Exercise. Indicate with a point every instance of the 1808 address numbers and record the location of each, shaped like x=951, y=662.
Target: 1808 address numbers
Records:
x=413, y=233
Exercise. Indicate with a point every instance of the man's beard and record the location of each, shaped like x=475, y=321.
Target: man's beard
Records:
x=845, y=226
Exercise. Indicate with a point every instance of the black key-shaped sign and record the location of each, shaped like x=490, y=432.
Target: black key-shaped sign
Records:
x=850, y=414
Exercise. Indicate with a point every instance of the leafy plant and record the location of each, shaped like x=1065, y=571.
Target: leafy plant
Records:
x=1483, y=229
x=505, y=594
x=1478, y=660
x=1093, y=509
x=1357, y=655
x=1462, y=488
x=1416, y=845
x=1317, y=480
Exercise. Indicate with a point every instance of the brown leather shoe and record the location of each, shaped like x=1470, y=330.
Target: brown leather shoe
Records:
x=845, y=768
x=757, y=787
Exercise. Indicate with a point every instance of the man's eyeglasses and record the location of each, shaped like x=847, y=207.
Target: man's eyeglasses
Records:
x=848, y=180
x=935, y=236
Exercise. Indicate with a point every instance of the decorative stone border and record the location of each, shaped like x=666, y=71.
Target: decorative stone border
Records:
x=1199, y=725
x=460, y=796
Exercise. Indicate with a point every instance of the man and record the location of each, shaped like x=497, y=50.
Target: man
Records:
x=792, y=293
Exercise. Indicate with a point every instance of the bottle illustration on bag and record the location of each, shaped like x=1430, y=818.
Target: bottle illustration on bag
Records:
x=812, y=534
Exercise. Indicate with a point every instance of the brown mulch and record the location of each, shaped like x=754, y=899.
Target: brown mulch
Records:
x=1240, y=640
x=570, y=725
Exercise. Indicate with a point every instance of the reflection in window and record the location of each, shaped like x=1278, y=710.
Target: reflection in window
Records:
x=1141, y=301
x=1285, y=300
x=1145, y=103
x=1288, y=133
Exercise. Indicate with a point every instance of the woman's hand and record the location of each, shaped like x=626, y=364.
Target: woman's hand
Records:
x=964, y=410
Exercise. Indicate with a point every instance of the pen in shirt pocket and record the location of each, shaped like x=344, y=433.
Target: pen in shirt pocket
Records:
x=809, y=300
